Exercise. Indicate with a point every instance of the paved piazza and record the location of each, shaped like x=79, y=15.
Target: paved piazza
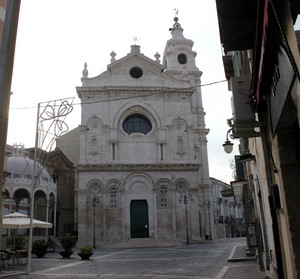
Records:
x=204, y=261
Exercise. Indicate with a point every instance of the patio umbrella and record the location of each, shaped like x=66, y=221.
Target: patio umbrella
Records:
x=18, y=220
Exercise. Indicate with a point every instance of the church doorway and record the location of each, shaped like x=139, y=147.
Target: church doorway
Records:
x=139, y=219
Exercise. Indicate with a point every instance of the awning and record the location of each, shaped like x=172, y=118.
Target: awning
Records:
x=260, y=44
x=237, y=21
x=18, y=220
x=238, y=188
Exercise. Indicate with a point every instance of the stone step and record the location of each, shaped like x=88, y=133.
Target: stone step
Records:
x=142, y=242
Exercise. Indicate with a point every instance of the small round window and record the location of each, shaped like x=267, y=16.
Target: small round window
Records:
x=182, y=59
x=136, y=72
x=137, y=123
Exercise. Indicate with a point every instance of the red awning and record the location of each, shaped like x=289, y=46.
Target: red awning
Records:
x=260, y=44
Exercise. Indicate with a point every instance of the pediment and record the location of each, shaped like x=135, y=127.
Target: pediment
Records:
x=134, y=69
x=132, y=59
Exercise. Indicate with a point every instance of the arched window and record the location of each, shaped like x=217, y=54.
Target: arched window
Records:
x=137, y=123
x=182, y=59
x=163, y=200
x=113, y=197
x=113, y=189
x=163, y=194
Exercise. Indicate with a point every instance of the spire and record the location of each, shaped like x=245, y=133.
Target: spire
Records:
x=179, y=55
x=157, y=56
x=176, y=30
x=113, y=57
x=85, y=71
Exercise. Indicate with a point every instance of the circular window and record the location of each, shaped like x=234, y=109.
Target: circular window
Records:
x=136, y=72
x=137, y=123
x=182, y=59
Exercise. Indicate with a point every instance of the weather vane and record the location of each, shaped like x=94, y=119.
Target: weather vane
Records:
x=135, y=39
x=176, y=11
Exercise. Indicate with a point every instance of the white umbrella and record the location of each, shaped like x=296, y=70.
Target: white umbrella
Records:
x=18, y=220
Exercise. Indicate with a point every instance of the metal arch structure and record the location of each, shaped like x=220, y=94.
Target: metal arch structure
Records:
x=50, y=125
x=51, y=121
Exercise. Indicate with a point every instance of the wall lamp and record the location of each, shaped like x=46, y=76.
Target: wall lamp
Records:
x=228, y=145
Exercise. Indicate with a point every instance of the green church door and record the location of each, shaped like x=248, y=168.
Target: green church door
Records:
x=139, y=219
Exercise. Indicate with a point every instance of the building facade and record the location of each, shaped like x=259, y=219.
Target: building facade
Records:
x=17, y=189
x=54, y=189
x=143, y=163
x=261, y=61
x=2, y=17
x=227, y=210
x=9, y=15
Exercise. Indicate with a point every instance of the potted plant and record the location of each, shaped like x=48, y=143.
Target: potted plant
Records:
x=51, y=244
x=85, y=252
x=17, y=242
x=39, y=248
x=67, y=242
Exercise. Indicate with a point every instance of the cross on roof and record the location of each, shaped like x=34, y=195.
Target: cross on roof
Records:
x=135, y=39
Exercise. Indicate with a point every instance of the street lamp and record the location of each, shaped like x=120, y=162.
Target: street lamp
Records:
x=93, y=201
x=206, y=205
x=209, y=225
x=184, y=197
x=228, y=145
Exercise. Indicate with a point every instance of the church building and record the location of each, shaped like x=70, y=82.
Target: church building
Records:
x=143, y=163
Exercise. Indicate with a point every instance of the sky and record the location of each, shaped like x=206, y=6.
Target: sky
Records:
x=56, y=37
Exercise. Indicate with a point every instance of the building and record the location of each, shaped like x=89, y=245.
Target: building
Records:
x=17, y=189
x=142, y=170
x=227, y=210
x=137, y=166
x=261, y=62
x=54, y=192
x=2, y=17
x=9, y=15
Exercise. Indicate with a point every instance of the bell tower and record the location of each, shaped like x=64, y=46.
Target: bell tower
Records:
x=178, y=54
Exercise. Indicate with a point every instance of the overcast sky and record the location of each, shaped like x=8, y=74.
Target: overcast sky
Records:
x=56, y=37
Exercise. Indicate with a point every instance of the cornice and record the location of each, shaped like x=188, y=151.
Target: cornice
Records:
x=138, y=167
x=135, y=89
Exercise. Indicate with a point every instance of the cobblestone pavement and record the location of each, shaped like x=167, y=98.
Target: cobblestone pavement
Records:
x=202, y=261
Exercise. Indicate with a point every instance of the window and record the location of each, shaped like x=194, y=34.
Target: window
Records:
x=113, y=190
x=182, y=59
x=113, y=151
x=136, y=72
x=137, y=123
x=113, y=198
x=163, y=194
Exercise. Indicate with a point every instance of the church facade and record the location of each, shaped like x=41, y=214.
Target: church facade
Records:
x=143, y=163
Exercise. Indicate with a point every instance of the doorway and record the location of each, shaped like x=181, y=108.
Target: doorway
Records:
x=139, y=219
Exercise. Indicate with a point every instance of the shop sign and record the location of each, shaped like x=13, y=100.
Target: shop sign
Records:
x=282, y=80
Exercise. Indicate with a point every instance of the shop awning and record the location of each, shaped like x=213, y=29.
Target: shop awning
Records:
x=237, y=23
x=238, y=188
